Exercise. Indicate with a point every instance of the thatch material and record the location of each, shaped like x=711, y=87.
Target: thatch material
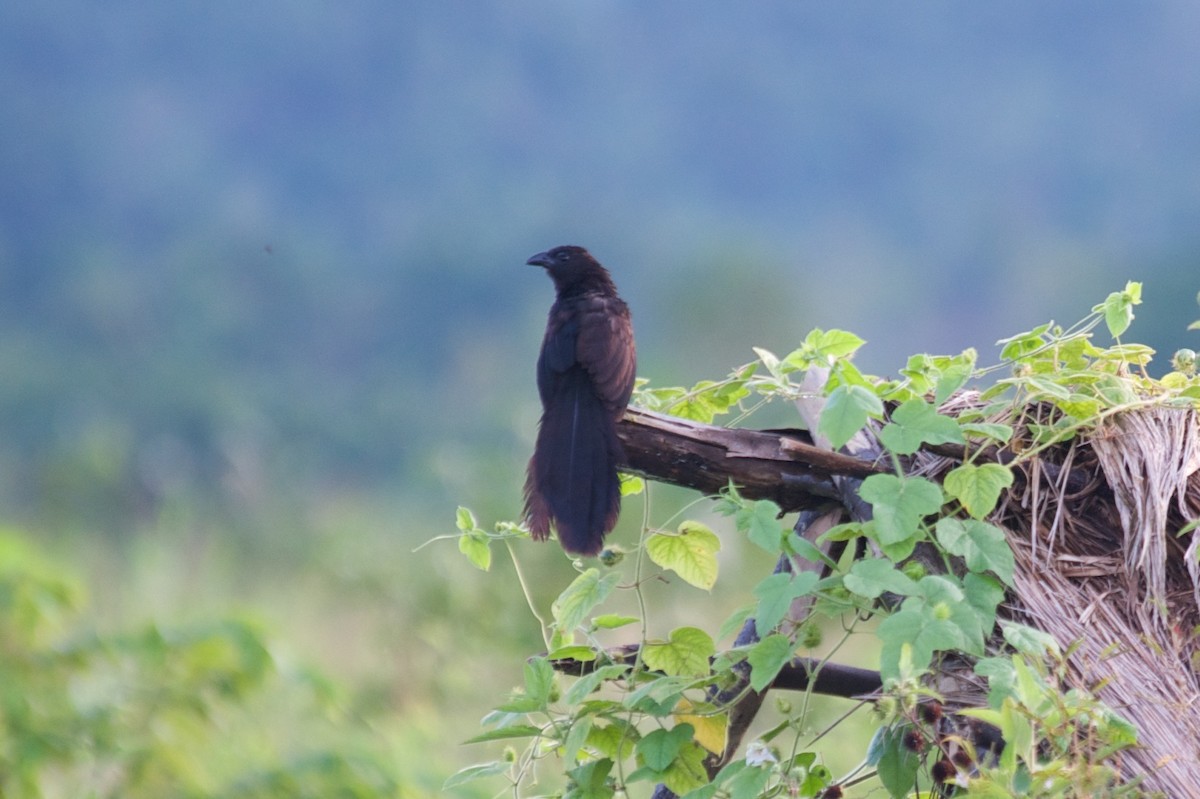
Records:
x=1103, y=570
x=1147, y=457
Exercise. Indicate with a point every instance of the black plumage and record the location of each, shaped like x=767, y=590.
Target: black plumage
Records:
x=585, y=375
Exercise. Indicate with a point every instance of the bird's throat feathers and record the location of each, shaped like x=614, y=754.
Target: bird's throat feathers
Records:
x=578, y=282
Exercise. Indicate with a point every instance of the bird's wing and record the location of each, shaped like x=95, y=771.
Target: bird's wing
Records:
x=559, y=345
x=605, y=348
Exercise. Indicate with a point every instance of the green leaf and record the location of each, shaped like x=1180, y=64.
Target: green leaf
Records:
x=1023, y=343
x=872, y=577
x=687, y=771
x=978, y=488
x=697, y=405
x=520, y=704
x=475, y=772
x=475, y=546
x=657, y=697
x=994, y=431
x=611, y=621
x=943, y=597
x=577, y=652
x=584, y=593
x=803, y=548
x=742, y=781
x=588, y=683
x=657, y=749
x=769, y=359
x=1029, y=641
x=539, y=680
x=767, y=658
x=897, y=765
x=614, y=740
x=576, y=737
x=684, y=654
x=983, y=546
x=846, y=411
x=876, y=746
x=631, y=485
x=708, y=399
x=984, y=593
x=899, y=504
x=1047, y=388
x=1118, y=308
x=590, y=781
x=922, y=628
x=898, y=551
x=834, y=343
x=465, y=520
x=1079, y=405
x=954, y=377
x=775, y=595
x=760, y=521
x=916, y=422
x=820, y=349
x=691, y=553
x=505, y=733
x=847, y=531
x=1002, y=681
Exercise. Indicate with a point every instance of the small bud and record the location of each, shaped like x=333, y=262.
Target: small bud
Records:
x=914, y=741
x=942, y=771
x=1184, y=360
x=838, y=593
x=832, y=792
x=931, y=712
x=810, y=636
x=612, y=555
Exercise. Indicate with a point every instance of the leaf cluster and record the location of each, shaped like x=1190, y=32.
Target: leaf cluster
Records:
x=661, y=715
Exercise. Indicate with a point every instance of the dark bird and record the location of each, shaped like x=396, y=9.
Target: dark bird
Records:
x=585, y=375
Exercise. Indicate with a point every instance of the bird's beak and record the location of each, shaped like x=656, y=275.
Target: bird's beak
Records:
x=542, y=259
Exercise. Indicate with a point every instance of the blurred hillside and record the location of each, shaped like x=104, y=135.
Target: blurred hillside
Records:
x=281, y=245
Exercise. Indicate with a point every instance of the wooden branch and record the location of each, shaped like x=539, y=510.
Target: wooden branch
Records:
x=830, y=679
x=783, y=466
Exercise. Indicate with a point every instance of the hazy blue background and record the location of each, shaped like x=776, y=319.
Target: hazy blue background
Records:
x=296, y=230
x=261, y=264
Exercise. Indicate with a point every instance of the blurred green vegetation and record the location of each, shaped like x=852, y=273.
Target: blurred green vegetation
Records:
x=193, y=709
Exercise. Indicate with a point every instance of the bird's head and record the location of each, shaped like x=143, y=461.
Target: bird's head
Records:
x=563, y=259
x=570, y=266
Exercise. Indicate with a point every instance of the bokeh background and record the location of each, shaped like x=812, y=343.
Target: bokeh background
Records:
x=265, y=319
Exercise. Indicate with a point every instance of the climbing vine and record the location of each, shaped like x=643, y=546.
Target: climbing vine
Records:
x=657, y=712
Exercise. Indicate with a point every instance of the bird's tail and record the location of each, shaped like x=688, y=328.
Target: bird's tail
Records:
x=572, y=481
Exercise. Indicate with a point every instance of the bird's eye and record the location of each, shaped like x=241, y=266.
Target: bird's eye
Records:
x=563, y=256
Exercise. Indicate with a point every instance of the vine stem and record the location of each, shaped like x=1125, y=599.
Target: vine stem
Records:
x=543, y=626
